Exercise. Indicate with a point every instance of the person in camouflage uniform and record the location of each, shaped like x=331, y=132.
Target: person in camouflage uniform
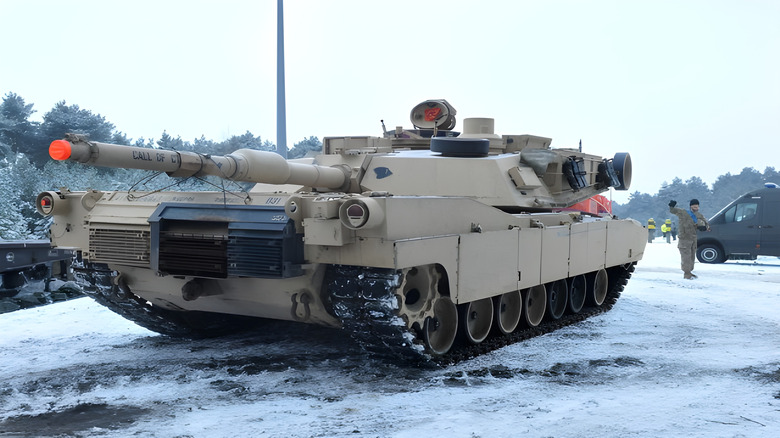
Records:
x=690, y=221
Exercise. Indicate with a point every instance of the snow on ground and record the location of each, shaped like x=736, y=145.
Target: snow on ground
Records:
x=674, y=357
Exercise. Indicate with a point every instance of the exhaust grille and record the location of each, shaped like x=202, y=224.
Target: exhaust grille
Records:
x=250, y=256
x=193, y=254
x=125, y=247
x=221, y=241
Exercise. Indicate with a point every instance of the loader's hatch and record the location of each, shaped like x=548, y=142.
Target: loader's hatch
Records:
x=217, y=241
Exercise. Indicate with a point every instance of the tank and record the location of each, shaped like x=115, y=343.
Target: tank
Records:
x=426, y=244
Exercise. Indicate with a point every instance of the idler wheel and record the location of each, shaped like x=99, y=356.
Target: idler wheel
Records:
x=508, y=309
x=534, y=305
x=439, y=330
x=475, y=319
x=577, y=292
x=597, y=287
x=557, y=297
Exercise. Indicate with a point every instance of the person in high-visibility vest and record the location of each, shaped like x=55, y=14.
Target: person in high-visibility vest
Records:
x=650, y=230
x=666, y=229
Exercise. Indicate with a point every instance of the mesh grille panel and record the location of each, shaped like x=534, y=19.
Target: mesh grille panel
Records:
x=193, y=254
x=126, y=247
x=255, y=257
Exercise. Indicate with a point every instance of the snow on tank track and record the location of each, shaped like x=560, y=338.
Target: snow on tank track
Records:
x=366, y=302
x=364, y=299
x=97, y=282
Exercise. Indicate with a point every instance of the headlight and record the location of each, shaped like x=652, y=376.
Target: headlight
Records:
x=49, y=203
x=361, y=213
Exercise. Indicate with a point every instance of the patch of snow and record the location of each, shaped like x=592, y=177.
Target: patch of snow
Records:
x=674, y=357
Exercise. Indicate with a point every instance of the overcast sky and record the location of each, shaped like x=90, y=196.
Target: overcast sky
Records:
x=689, y=88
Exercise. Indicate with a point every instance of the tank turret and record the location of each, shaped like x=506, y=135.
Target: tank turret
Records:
x=508, y=171
x=409, y=240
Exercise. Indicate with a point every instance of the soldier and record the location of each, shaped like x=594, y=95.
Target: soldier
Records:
x=650, y=230
x=690, y=221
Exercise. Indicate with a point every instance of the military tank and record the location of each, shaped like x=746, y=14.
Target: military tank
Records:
x=426, y=244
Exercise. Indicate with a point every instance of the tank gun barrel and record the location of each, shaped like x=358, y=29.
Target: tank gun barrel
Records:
x=242, y=165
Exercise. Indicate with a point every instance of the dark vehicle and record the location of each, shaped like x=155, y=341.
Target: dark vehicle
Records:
x=745, y=229
x=27, y=269
x=24, y=259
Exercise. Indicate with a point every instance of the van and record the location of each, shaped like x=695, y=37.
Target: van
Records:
x=745, y=229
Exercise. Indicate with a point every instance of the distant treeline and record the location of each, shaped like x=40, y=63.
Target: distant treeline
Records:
x=726, y=188
x=26, y=169
x=19, y=134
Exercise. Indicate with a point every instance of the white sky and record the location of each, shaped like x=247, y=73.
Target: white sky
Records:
x=687, y=87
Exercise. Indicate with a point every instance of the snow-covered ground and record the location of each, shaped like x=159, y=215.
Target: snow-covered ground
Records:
x=673, y=358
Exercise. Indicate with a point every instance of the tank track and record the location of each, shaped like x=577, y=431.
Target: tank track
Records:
x=96, y=282
x=365, y=301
